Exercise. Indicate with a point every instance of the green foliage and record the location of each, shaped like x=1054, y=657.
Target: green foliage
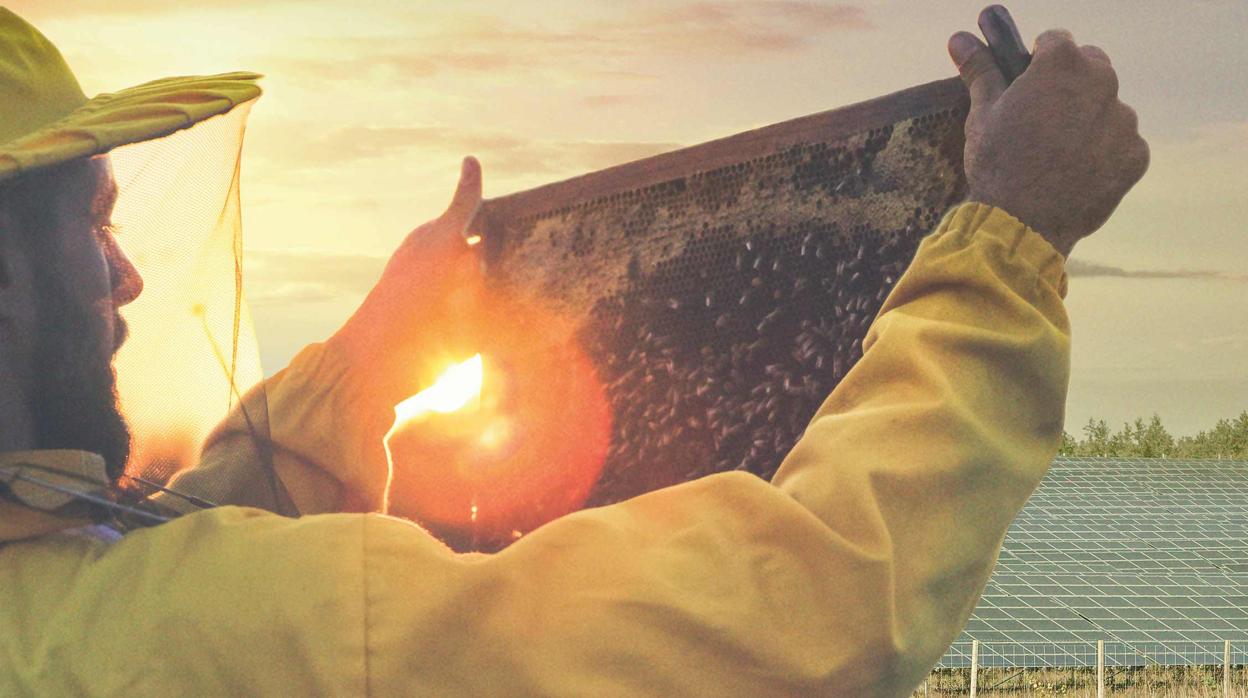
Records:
x=1227, y=439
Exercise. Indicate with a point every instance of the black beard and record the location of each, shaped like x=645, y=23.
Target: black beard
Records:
x=74, y=400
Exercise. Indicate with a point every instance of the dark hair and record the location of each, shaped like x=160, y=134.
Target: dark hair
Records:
x=31, y=198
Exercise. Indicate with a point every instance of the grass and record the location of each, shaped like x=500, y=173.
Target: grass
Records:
x=1137, y=682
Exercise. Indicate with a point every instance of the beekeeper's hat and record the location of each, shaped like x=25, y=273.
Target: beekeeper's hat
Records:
x=45, y=119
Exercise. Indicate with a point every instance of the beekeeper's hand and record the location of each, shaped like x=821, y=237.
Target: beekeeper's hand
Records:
x=1056, y=149
x=427, y=289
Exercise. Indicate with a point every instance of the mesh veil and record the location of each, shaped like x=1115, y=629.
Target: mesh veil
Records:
x=192, y=354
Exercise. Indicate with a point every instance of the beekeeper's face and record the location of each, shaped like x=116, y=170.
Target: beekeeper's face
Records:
x=102, y=275
x=66, y=281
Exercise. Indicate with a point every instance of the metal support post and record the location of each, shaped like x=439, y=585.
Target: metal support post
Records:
x=1100, y=669
x=1226, y=670
x=974, y=665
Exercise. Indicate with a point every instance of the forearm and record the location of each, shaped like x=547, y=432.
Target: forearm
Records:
x=928, y=448
x=304, y=434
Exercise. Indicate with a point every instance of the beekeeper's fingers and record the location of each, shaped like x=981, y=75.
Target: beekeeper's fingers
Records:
x=467, y=197
x=978, y=69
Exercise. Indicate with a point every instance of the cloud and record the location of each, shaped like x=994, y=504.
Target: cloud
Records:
x=297, y=277
x=590, y=46
x=597, y=101
x=1078, y=268
x=500, y=153
x=1229, y=341
x=722, y=28
x=47, y=9
x=741, y=27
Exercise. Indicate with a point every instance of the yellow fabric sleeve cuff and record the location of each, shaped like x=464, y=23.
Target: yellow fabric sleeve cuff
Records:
x=1020, y=241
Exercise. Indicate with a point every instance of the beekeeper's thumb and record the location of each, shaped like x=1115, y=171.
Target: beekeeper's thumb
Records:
x=979, y=71
x=467, y=197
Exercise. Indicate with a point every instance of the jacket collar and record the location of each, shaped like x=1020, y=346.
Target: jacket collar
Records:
x=39, y=486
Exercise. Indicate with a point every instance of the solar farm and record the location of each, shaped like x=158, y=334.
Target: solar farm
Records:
x=1147, y=556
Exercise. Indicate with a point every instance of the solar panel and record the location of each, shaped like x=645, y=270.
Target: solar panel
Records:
x=1149, y=555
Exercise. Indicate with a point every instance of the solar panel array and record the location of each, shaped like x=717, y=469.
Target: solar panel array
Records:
x=1149, y=555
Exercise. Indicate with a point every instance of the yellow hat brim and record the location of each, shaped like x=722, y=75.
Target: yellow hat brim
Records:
x=143, y=113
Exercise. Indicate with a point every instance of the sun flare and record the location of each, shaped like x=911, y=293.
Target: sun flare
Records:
x=458, y=386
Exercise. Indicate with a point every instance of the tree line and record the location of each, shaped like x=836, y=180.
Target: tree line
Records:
x=1227, y=439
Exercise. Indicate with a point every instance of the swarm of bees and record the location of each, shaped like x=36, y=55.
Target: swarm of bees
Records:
x=721, y=307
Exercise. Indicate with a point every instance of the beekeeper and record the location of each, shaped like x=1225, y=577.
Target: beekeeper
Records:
x=849, y=574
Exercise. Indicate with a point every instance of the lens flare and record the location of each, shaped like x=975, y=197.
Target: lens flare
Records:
x=502, y=445
x=455, y=389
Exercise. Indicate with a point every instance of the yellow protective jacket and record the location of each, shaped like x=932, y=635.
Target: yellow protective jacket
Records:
x=848, y=575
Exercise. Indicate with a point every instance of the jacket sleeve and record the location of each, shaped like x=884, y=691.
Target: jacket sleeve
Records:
x=321, y=433
x=848, y=575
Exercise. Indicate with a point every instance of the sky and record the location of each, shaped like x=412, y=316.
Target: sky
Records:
x=369, y=106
